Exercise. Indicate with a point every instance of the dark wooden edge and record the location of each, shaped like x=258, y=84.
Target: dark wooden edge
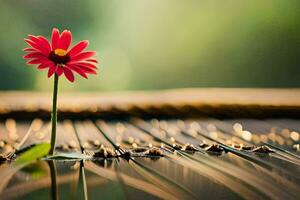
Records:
x=220, y=103
x=166, y=111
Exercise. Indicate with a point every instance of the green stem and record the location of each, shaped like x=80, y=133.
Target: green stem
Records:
x=53, y=173
x=54, y=115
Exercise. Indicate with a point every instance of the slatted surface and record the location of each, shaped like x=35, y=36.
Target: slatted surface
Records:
x=178, y=173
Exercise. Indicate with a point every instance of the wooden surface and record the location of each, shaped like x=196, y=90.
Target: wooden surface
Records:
x=213, y=101
x=268, y=148
x=234, y=169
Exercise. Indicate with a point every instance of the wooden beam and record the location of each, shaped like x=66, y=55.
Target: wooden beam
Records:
x=207, y=101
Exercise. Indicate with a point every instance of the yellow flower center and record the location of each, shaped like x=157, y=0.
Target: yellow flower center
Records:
x=60, y=52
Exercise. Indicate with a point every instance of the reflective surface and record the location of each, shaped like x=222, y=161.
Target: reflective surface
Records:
x=167, y=159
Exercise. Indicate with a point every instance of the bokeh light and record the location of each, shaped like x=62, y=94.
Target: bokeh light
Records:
x=145, y=45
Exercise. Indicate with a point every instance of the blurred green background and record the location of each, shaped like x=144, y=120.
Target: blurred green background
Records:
x=160, y=44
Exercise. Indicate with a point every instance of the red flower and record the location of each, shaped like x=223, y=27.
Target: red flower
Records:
x=57, y=58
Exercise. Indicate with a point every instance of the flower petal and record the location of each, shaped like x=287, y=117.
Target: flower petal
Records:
x=77, y=70
x=37, y=60
x=54, y=38
x=29, y=49
x=64, y=40
x=33, y=55
x=51, y=70
x=41, y=41
x=92, y=60
x=59, y=71
x=78, y=48
x=82, y=56
x=45, y=65
x=86, y=69
x=86, y=64
x=37, y=46
x=69, y=74
x=45, y=42
x=35, y=40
